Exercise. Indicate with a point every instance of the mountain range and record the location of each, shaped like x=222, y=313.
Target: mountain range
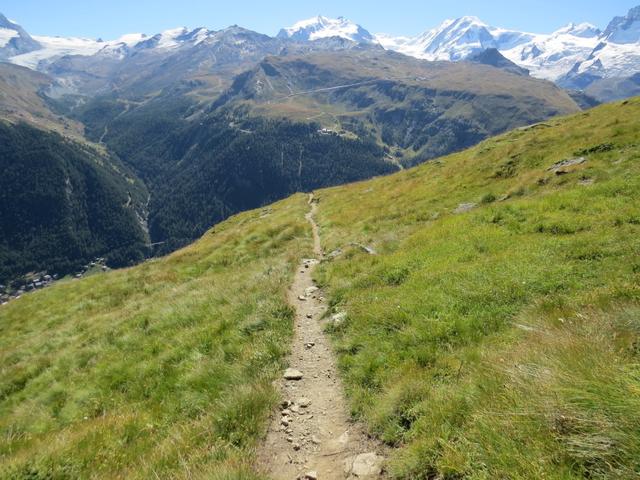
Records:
x=545, y=56
x=577, y=56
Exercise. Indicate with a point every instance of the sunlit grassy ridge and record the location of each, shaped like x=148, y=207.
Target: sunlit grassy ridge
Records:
x=500, y=342
x=159, y=371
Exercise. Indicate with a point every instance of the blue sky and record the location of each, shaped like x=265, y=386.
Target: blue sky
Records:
x=111, y=18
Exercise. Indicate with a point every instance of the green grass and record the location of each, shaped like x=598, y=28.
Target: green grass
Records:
x=164, y=370
x=501, y=342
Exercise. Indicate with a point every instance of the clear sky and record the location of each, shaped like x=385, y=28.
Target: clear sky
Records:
x=111, y=18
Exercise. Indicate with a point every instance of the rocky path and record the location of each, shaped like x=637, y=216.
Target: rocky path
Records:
x=311, y=435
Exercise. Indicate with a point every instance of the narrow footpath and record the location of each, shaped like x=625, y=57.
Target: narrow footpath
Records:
x=311, y=436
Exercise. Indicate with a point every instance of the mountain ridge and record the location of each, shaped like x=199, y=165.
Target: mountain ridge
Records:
x=575, y=55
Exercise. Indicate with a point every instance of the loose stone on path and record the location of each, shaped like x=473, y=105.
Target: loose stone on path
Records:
x=293, y=374
x=365, y=465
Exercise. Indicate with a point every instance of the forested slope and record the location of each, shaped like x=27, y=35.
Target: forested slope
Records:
x=63, y=203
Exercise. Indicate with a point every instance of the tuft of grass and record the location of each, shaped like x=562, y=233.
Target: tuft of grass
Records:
x=163, y=370
x=501, y=342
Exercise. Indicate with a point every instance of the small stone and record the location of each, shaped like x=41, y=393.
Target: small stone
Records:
x=304, y=402
x=286, y=412
x=309, y=315
x=334, y=254
x=290, y=439
x=315, y=440
x=339, y=318
x=465, y=207
x=560, y=168
x=292, y=374
x=310, y=291
x=302, y=298
x=296, y=446
x=364, y=465
x=313, y=475
x=284, y=422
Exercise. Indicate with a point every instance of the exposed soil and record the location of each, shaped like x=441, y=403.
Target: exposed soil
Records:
x=312, y=435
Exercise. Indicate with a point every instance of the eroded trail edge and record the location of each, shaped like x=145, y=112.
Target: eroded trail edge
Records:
x=311, y=435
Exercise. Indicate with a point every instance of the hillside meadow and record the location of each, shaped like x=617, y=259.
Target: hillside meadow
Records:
x=163, y=370
x=495, y=333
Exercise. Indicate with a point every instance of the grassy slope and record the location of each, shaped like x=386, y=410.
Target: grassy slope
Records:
x=501, y=342
x=497, y=343
x=162, y=370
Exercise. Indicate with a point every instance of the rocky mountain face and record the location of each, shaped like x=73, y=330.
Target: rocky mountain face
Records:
x=14, y=40
x=206, y=60
x=624, y=30
x=493, y=57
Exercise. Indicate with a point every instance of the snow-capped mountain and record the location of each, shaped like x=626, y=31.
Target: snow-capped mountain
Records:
x=545, y=56
x=322, y=27
x=575, y=56
x=52, y=48
x=615, y=55
x=624, y=30
x=455, y=40
x=41, y=51
x=552, y=56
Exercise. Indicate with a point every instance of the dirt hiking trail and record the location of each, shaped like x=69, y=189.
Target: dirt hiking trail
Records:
x=311, y=435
